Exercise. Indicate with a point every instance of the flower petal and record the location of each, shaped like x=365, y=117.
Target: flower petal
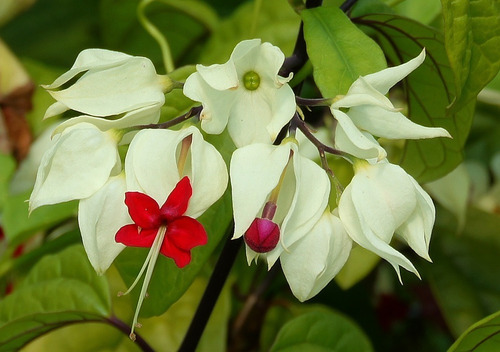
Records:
x=143, y=210
x=254, y=172
x=314, y=260
x=133, y=236
x=385, y=79
x=186, y=233
x=79, y=163
x=353, y=140
x=114, y=87
x=308, y=203
x=216, y=104
x=99, y=218
x=362, y=234
x=177, y=202
x=390, y=124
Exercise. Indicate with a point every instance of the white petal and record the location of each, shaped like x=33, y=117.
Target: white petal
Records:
x=362, y=93
x=269, y=62
x=219, y=77
x=316, y=258
x=255, y=171
x=245, y=55
x=216, y=104
x=417, y=230
x=76, y=166
x=55, y=109
x=390, y=124
x=151, y=163
x=282, y=107
x=208, y=174
x=248, y=121
x=142, y=116
x=129, y=85
x=100, y=217
x=385, y=79
x=384, y=197
x=308, y=203
x=363, y=235
x=353, y=140
x=97, y=59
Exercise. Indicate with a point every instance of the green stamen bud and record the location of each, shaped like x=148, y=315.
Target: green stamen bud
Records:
x=251, y=80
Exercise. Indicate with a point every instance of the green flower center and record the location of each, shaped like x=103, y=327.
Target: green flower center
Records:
x=251, y=80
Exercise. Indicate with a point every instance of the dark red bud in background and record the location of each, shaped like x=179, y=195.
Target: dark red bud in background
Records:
x=262, y=236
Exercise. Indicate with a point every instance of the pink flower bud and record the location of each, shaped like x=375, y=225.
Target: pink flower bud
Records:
x=262, y=236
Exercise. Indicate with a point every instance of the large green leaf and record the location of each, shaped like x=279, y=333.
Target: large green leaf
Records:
x=463, y=276
x=61, y=289
x=19, y=224
x=428, y=90
x=321, y=331
x=482, y=336
x=338, y=50
x=472, y=39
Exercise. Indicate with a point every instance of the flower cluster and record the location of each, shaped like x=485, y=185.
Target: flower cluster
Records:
x=281, y=198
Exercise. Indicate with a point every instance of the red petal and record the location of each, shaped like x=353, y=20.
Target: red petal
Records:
x=178, y=200
x=143, y=210
x=186, y=233
x=182, y=235
x=180, y=257
x=130, y=236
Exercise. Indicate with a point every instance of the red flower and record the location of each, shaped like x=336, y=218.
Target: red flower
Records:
x=181, y=233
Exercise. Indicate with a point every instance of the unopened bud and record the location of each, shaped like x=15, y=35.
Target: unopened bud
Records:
x=262, y=236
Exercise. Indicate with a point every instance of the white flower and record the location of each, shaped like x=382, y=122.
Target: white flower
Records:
x=371, y=111
x=105, y=83
x=313, y=261
x=152, y=166
x=246, y=94
x=381, y=201
x=99, y=217
x=267, y=178
x=78, y=164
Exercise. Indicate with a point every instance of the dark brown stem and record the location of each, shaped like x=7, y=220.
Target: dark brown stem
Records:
x=193, y=112
x=123, y=327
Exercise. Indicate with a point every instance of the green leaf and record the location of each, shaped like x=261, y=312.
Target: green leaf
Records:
x=7, y=167
x=482, y=336
x=275, y=22
x=321, y=331
x=338, y=50
x=463, y=275
x=19, y=224
x=472, y=39
x=428, y=92
x=61, y=289
x=169, y=282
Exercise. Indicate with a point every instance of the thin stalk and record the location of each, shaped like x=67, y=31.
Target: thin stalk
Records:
x=168, y=62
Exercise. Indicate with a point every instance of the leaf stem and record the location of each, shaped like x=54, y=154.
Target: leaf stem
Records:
x=168, y=62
